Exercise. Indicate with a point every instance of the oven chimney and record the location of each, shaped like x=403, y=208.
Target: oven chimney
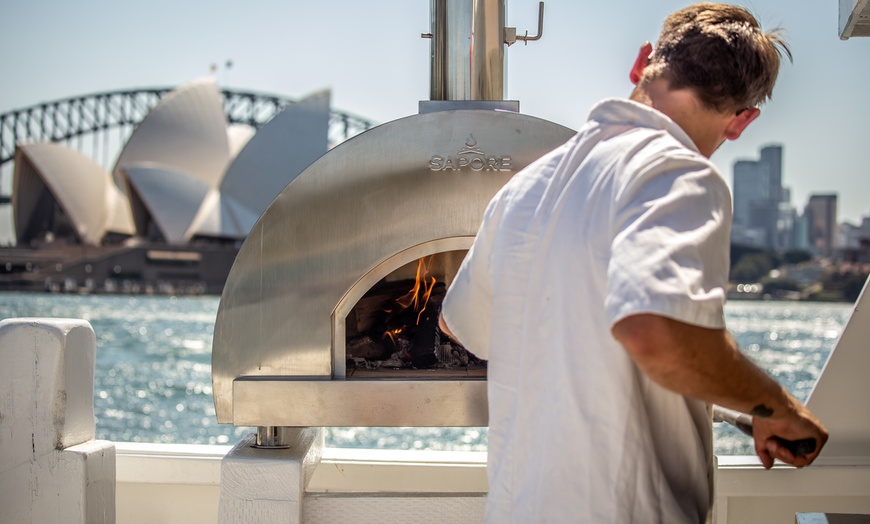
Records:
x=467, y=49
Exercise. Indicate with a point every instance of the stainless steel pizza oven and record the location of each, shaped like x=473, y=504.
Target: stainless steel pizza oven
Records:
x=328, y=315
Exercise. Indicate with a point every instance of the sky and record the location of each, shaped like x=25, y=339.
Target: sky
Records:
x=370, y=54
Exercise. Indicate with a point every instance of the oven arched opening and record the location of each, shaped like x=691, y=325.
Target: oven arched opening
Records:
x=384, y=325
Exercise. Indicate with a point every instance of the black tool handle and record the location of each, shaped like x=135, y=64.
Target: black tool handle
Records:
x=743, y=422
x=798, y=447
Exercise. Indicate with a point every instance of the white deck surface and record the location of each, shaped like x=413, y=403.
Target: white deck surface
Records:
x=180, y=483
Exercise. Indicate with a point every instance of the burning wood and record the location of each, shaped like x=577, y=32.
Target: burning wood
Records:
x=364, y=352
x=386, y=332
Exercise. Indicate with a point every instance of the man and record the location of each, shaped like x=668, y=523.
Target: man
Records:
x=595, y=287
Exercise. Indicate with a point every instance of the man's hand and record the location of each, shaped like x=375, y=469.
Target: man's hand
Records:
x=705, y=364
x=795, y=423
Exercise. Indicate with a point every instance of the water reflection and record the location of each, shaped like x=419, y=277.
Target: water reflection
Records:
x=153, y=369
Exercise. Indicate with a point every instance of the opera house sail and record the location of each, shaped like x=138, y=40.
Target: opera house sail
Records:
x=184, y=192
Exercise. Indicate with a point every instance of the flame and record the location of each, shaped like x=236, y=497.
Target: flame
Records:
x=393, y=333
x=419, y=295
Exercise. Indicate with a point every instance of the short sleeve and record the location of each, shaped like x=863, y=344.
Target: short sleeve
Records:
x=670, y=243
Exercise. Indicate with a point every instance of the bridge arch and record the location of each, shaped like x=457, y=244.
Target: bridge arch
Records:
x=90, y=118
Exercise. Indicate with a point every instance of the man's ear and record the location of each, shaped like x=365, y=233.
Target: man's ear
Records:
x=740, y=122
x=640, y=63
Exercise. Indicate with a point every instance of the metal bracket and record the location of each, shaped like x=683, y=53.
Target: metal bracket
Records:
x=510, y=33
x=272, y=437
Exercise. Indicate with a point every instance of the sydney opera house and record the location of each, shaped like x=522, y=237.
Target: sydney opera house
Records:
x=186, y=189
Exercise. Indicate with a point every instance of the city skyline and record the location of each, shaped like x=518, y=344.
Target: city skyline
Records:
x=765, y=217
x=372, y=57
x=786, y=188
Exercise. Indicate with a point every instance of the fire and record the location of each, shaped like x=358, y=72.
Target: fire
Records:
x=393, y=333
x=416, y=299
x=419, y=295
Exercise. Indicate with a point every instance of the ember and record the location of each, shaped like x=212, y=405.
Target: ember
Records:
x=395, y=327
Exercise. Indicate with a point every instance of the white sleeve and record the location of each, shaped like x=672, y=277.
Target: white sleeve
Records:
x=467, y=307
x=670, y=248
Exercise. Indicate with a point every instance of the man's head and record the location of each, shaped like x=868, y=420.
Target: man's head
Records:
x=719, y=52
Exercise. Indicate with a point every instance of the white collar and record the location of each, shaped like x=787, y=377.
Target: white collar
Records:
x=628, y=112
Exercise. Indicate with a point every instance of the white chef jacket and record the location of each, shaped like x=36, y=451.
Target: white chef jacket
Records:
x=625, y=218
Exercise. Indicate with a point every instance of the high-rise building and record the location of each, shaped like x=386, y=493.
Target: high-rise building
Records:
x=865, y=229
x=821, y=216
x=762, y=214
x=800, y=237
x=750, y=186
x=771, y=156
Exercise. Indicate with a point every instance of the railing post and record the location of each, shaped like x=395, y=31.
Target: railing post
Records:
x=51, y=468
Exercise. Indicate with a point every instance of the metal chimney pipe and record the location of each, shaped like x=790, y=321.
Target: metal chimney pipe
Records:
x=487, y=56
x=467, y=49
x=451, y=30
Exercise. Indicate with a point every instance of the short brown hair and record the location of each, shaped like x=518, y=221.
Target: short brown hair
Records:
x=721, y=53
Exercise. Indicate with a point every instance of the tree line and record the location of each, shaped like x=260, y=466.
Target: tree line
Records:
x=774, y=271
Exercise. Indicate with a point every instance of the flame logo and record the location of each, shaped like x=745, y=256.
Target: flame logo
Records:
x=470, y=147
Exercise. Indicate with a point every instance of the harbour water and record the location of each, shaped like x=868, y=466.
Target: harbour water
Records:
x=153, y=368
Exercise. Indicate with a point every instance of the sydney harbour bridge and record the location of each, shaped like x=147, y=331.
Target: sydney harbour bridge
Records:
x=98, y=124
